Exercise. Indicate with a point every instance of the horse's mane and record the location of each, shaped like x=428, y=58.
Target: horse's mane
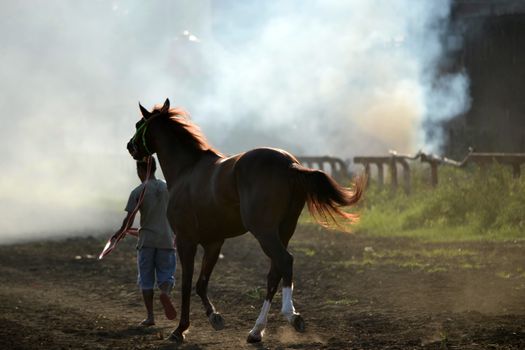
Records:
x=188, y=131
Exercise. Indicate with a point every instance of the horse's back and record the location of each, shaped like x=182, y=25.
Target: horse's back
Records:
x=265, y=158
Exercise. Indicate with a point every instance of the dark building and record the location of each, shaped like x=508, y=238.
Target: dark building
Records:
x=488, y=43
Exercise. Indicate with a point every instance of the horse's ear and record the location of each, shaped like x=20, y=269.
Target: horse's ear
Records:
x=166, y=106
x=144, y=112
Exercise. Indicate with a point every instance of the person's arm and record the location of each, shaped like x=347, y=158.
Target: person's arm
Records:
x=130, y=208
x=129, y=217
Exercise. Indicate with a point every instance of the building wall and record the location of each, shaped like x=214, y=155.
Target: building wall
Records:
x=492, y=52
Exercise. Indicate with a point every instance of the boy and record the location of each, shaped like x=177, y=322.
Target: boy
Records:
x=155, y=247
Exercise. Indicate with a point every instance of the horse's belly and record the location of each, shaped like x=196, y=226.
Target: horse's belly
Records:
x=206, y=227
x=222, y=227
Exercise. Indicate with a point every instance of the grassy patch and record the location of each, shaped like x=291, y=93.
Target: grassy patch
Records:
x=345, y=302
x=256, y=293
x=428, y=260
x=304, y=250
x=467, y=205
x=504, y=275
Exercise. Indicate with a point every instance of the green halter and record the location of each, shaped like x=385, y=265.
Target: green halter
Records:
x=142, y=129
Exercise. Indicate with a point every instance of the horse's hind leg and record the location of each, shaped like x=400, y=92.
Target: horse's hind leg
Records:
x=211, y=254
x=186, y=251
x=286, y=230
x=274, y=245
x=257, y=332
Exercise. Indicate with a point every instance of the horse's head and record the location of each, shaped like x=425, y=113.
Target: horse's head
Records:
x=138, y=146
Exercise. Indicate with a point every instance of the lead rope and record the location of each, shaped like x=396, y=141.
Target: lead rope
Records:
x=108, y=248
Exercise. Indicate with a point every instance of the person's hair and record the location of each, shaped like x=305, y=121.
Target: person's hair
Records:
x=143, y=165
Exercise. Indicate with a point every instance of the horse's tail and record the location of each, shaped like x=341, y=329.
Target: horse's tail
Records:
x=325, y=197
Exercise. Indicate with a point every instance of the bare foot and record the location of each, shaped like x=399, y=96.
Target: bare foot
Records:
x=147, y=322
x=169, y=309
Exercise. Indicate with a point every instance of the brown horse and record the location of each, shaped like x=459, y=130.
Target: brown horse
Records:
x=213, y=197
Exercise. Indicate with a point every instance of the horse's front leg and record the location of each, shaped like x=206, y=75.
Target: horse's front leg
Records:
x=211, y=254
x=186, y=251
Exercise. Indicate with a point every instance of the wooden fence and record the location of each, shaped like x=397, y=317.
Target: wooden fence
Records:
x=336, y=167
x=394, y=162
x=514, y=160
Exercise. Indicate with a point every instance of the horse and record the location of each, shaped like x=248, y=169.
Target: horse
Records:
x=213, y=197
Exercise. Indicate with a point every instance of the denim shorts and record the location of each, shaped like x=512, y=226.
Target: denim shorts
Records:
x=157, y=262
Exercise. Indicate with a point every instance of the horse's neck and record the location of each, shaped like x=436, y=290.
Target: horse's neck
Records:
x=174, y=162
x=175, y=157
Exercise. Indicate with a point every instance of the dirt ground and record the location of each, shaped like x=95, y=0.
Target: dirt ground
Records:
x=354, y=291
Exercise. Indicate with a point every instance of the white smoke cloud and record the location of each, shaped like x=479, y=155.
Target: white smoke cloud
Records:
x=315, y=77
x=353, y=77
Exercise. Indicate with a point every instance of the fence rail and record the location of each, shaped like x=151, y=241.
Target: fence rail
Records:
x=336, y=167
x=393, y=162
x=482, y=160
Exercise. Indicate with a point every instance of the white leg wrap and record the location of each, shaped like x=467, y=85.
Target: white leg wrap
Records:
x=262, y=320
x=288, y=310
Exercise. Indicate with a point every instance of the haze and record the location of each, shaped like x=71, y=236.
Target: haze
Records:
x=313, y=77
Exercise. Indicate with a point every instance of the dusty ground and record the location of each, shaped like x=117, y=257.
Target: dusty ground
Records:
x=355, y=292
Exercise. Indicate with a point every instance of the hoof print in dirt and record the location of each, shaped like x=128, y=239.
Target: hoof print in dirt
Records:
x=253, y=339
x=217, y=321
x=297, y=322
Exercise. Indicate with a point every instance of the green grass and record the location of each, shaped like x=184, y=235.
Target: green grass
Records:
x=423, y=259
x=256, y=293
x=467, y=205
x=305, y=250
x=344, y=302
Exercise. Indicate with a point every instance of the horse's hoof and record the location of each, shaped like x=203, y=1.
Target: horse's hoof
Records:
x=253, y=338
x=297, y=322
x=176, y=337
x=216, y=320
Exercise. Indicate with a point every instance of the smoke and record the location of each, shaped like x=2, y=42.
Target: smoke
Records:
x=314, y=77
x=340, y=78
